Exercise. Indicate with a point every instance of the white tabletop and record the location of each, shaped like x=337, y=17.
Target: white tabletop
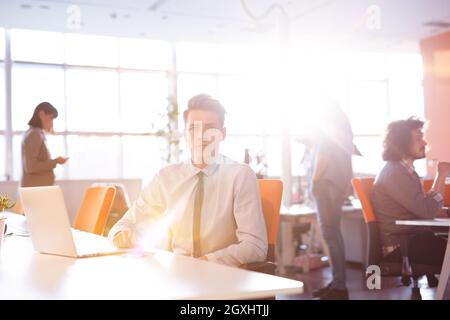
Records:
x=438, y=222
x=25, y=274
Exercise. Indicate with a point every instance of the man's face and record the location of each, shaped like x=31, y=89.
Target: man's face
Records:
x=204, y=132
x=417, y=148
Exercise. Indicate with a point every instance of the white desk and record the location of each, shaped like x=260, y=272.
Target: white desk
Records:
x=445, y=271
x=289, y=216
x=286, y=251
x=25, y=274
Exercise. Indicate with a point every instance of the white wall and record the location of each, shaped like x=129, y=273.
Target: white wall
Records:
x=73, y=190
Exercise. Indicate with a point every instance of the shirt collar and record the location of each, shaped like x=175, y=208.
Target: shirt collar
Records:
x=408, y=167
x=208, y=170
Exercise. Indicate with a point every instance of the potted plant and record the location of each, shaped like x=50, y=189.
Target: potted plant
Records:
x=170, y=131
x=5, y=203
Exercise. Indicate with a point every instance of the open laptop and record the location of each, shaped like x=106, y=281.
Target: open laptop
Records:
x=50, y=230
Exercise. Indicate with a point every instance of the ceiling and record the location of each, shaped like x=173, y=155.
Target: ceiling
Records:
x=378, y=25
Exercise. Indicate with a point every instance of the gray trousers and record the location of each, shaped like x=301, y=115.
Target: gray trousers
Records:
x=329, y=200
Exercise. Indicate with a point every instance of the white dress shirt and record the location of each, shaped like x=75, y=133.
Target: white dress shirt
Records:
x=232, y=228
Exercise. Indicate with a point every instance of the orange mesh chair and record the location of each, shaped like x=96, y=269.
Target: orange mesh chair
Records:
x=94, y=209
x=363, y=190
x=396, y=263
x=428, y=183
x=271, y=191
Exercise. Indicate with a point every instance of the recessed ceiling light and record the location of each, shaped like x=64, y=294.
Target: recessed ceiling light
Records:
x=26, y=6
x=113, y=15
x=44, y=7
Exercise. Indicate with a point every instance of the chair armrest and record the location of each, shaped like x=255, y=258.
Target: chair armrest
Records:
x=263, y=267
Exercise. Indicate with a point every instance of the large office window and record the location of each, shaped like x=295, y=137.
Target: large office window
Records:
x=194, y=57
x=360, y=107
x=33, y=84
x=143, y=97
x=2, y=107
x=2, y=157
x=143, y=156
x=37, y=46
x=2, y=118
x=89, y=50
x=373, y=89
x=112, y=97
x=92, y=100
x=144, y=54
x=94, y=156
x=2, y=98
x=2, y=43
x=234, y=74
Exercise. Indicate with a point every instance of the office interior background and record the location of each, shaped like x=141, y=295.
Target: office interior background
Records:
x=120, y=74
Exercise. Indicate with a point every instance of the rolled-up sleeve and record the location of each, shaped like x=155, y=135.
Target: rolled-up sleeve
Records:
x=410, y=195
x=251, y=228
x=150, y=204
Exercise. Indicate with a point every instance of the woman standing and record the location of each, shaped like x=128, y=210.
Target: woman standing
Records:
x=37, y=166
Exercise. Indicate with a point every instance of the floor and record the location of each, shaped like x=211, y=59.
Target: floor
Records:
x=391, y=288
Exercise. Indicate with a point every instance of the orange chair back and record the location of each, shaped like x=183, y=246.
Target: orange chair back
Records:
x=271, y=191
x=94, y=209
x=363, y=189
x=428, y=183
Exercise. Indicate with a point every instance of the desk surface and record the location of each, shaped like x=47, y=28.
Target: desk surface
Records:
x=438, y=222
x=25, y=274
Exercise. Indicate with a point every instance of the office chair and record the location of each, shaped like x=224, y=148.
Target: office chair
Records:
x=119, y=206
x=270, y=191
x=396, y=263
x=94, y=209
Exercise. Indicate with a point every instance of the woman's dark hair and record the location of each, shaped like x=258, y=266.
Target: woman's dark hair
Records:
x=397, y=139
x=35, y=121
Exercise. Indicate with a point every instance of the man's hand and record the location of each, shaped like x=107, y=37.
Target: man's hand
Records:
x=203, y=258
x=442, y=213
x=443, y=168
x=122, y=239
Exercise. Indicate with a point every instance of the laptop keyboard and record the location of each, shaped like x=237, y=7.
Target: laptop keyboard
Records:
x=91, y=245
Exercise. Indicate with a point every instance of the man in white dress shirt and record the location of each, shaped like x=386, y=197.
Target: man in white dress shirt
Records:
x=207, y=207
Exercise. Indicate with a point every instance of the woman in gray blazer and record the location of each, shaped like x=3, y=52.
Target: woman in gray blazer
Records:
x=37, y=165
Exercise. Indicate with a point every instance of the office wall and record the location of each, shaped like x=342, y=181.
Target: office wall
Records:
x=73, y=190
x=436, y=58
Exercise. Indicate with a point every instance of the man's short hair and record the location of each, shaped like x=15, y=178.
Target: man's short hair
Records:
x=397, y=139
x=207, y=103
